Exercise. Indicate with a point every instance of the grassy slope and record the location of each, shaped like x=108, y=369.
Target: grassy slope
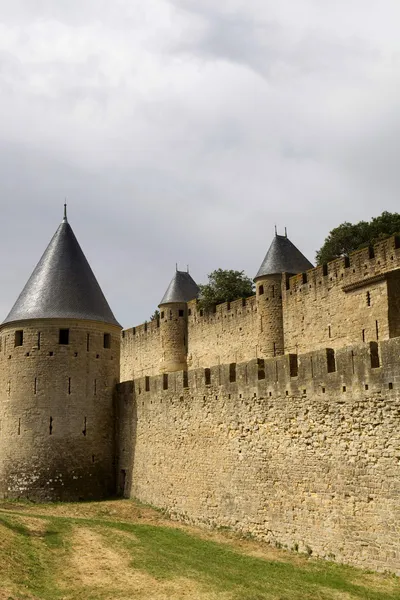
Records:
x=121, y=550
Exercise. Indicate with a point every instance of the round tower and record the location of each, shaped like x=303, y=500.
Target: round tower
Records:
x=173, y=321
x=59, y=364
x=282, y=257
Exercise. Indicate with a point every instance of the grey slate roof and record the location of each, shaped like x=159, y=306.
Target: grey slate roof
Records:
x=283, y=257
x=62, y=285
x=181, y=289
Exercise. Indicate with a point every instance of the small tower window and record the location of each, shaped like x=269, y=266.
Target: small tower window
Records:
x=19, y=337
x=63, y=337
x=260, y=290
x=162, y=314
x=368, y=298
x=107, y=340
x=181, y=313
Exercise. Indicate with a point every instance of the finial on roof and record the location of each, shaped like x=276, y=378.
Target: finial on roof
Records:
x=276, y=232
x=285, y=232
x=65, y=210
x=176, y=267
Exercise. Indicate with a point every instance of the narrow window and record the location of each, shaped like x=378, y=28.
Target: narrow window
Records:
x=274, y=348
x=273, y=291
x=63, y=337
x=19, y=426
x=19, y=338
x=201, y=312
x=377, y=330
x=371, y=252
x=95, y=387
x=346, y=262
x=181, y=313
x=88, y=342
x=147, y=383
x=38, y=340
x=325, y=270
x=232, y=372
x=330, y=360
x=84, y=427
x=51, y=426
x=304, y=275
x=390, y=386
x=185, y=379
x=329, y=331
x=69, y=385
x=162, y=314
x=189, y=312
x=368, y=299
x=352, y=360
x=107, y=340
x=374, y=354
x=165, y=381
x=207, y=376
x=363, y=335
x=228, y=306
x=261, y=368
x=260, y=290
x=293, y=365
x=35, y=386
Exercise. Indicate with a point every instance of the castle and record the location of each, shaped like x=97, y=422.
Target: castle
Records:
x=275, y=415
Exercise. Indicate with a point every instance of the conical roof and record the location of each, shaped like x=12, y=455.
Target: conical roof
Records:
x=181, y=289
x=62, y=285
x=283, y=257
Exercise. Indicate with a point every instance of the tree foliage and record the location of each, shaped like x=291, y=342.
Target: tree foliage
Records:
x=224, y=286
x=155, y=316
x=348, y=237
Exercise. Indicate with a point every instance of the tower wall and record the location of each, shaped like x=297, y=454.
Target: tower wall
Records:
x=270, y=316
x=56, y=410
x=173, y=331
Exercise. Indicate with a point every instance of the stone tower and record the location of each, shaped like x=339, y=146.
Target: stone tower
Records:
x=282, y=257
x=59, y=363
x=173, y=321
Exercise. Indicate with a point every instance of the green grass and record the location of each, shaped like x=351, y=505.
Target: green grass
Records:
x=34, y=563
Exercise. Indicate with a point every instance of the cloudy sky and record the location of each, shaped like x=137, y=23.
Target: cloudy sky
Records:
x=183, y=130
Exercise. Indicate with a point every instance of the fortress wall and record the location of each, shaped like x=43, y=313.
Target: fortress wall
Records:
x=328, y=305
x=308, y=461
x=56, y=410
x=230, y=334
x=141, y=351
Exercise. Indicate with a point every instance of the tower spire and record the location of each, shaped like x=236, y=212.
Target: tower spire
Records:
x=65, y=211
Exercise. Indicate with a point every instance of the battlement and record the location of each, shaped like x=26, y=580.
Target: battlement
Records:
x=359, y=267
x=225, y=310
x=370, y=366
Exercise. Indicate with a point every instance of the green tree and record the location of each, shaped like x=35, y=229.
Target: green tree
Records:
x=155, y=316
x=348, y=237
x=224, y=286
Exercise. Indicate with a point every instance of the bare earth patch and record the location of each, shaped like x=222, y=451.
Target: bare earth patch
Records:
x=97, y=567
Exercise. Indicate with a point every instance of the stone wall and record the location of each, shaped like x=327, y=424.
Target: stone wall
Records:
x=227, y=335
x=299, y=451
x=345, y=301
x=141, y=351
x=56, y=409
